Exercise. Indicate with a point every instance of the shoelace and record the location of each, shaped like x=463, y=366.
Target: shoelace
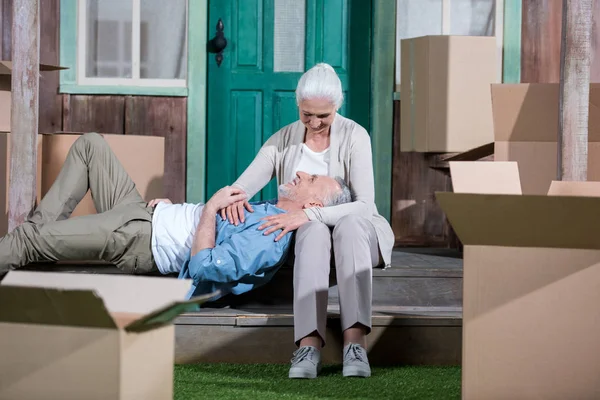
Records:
x=301, y=354
x=354, y=352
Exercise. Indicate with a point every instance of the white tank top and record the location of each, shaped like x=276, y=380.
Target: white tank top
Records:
x=312, y=162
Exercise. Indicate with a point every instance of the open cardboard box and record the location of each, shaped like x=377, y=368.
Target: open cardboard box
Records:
x=531, y=284
x=525, y=117
x=76, y=336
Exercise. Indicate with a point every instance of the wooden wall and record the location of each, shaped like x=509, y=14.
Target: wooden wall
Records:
x=540, y=41
x=135, y=115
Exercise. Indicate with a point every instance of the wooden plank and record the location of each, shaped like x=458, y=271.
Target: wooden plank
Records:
x=24, y=110
x=165, y=117
x=102, y=114
x=595, y=44
x=540, y=46
x=6, y=29
x=511, y=63
x=417, y=220
x=574, y=95
x=382, y=104
x=196, y=102
x=50, y=101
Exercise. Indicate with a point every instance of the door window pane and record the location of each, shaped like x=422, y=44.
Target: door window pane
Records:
x=472, y=18
x=288, y=36
x=109, y=38
x=163, y=39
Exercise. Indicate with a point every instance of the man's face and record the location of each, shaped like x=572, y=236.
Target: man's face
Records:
x=317, y=115
x=309, y=190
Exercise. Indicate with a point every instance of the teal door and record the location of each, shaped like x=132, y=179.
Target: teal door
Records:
x=251, y=83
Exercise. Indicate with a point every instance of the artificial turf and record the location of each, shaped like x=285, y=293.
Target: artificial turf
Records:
x=268, y=381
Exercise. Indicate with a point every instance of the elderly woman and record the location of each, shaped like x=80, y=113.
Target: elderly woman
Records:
x=324, y=142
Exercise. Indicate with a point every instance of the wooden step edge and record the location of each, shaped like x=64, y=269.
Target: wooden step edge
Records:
x=445, y=316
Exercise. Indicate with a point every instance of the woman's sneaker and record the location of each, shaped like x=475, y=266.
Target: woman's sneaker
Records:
x=356, y=362
x=306, y=363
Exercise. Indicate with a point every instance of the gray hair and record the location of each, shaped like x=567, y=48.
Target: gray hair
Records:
x=320, y=82
x=341, y=196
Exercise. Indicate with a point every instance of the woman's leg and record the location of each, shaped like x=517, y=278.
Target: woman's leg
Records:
x=311, y=287
x=356, y=253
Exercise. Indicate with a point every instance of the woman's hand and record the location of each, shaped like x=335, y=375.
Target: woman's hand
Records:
x=154, y=202
x=235, y=212
x=287, y=221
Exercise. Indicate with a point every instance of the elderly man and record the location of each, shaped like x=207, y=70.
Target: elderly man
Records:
x=189, y=239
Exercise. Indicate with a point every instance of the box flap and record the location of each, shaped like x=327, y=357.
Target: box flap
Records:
x=523, y=221
x=121, y=293
x=44, y=306
x=6, y=67
x=584, y=189
x=167, y=314
x=491, y=177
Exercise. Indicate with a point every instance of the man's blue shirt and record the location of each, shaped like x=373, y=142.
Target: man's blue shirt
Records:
x=243, y=257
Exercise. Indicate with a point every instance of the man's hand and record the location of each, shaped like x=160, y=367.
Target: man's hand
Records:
x=154, y=202
x=235, y=212
x=287, y=221
x=224, y=198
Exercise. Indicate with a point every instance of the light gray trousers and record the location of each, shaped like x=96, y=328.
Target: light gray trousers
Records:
x=356, y=252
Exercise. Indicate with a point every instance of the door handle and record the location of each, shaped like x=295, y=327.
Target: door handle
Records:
x=218, y=43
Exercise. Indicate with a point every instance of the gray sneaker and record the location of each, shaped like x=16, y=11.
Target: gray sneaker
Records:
x=356, y=362
x=306, y=363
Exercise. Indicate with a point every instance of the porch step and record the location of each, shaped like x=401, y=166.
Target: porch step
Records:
x=400, y=335
x=416, y=278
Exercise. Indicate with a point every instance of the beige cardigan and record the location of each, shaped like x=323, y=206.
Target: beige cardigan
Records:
x=350, y=159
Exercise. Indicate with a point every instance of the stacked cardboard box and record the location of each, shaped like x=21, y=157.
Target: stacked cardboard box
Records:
x=531, y=284
x=445, y=92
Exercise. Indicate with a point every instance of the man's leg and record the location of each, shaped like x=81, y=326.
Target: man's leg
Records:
x=311, y=288
x=356, y=252
x=84, y=238
x=90, y=164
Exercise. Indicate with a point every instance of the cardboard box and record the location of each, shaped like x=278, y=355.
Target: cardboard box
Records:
x=145, y=165
x=526, y=131
x=530, y=289
x=5, y=91
x=77, y=336
x=143, y=157
x=445, y=94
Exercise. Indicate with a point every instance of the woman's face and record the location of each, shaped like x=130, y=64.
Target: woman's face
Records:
x=317, y=115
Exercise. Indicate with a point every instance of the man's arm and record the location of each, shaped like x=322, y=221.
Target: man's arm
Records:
x=205, y=232
x=204, y=237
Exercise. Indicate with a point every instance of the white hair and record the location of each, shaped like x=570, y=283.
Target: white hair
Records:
x=320, y=82
x=340, y=196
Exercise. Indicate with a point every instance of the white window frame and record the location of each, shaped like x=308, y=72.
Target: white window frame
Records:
x=135, y=80
x=446, y=24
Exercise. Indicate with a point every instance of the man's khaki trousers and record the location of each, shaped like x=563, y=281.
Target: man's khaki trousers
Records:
x=120, y=233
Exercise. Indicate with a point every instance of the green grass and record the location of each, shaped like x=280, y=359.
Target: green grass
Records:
x=234, y=381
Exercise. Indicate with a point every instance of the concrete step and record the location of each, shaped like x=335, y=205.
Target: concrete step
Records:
x=400, y=335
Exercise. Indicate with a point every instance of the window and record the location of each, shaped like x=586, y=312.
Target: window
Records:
x=120, y=44
x=448, y=17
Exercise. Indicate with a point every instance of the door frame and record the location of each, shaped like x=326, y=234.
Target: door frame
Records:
x=383, y=36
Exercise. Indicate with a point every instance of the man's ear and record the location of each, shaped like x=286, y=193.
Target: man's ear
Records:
x=313, y=203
